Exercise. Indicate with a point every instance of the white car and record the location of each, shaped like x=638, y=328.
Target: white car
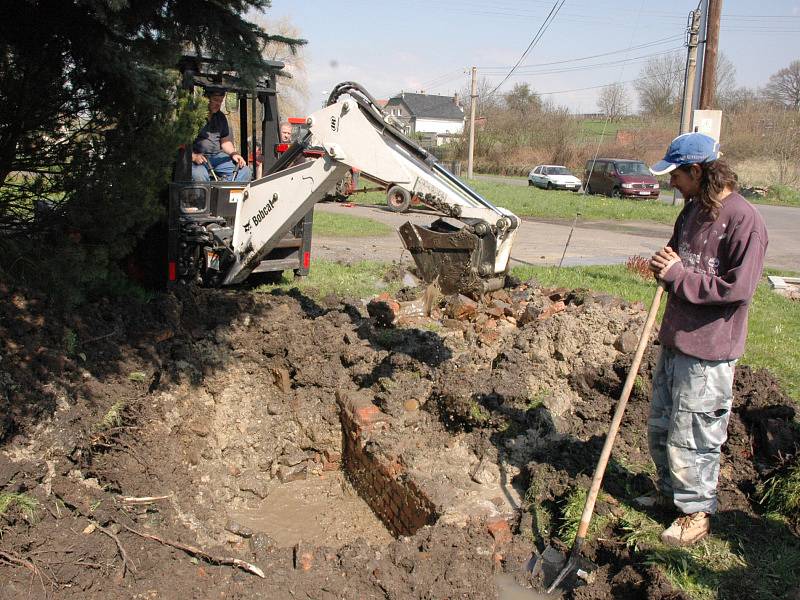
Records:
x=552, y=177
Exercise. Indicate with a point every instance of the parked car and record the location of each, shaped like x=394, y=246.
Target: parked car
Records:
x=620, y=178
x=552, y=177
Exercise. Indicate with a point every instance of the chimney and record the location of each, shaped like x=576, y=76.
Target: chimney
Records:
x=456, y=99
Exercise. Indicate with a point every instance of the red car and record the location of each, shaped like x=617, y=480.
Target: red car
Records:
x=620, y=178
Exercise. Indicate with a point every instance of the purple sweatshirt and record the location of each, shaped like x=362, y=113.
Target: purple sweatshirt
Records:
x=710, y=289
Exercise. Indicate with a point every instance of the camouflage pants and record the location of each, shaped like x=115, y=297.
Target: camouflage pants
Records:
x=688, y=424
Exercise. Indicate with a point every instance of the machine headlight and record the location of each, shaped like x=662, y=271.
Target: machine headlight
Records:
x=627, y=186
x=193, y=199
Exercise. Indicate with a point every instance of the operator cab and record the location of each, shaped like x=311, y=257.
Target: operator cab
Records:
x=202, y=214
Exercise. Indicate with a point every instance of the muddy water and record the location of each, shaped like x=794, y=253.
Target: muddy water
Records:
x=325, y=511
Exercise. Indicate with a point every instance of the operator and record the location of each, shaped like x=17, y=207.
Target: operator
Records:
x=710, y=269
x=286, y=132
x=213, y=154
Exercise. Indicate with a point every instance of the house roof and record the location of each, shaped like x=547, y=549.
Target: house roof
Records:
x=428, y=106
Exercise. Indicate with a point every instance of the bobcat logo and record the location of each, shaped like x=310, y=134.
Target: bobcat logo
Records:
x=247, y=227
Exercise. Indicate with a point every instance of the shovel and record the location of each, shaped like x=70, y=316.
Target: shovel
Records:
x=600, y=469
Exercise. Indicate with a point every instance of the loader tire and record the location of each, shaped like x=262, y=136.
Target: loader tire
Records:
x=398, y=199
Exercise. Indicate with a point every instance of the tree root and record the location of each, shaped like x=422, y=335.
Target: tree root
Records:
x=197, y=552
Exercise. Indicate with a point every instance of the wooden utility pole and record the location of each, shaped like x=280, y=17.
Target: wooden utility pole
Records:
x=691, y=69
x=708, y=84
x=473, y=96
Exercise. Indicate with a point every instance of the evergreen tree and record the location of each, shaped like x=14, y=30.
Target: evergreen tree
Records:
x=91, y=119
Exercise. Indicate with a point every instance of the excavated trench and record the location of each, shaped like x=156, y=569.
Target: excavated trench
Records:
x=347, y=450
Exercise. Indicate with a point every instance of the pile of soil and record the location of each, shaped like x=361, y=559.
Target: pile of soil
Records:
x=125, y=421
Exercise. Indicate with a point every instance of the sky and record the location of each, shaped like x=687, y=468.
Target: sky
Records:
x=430, y=45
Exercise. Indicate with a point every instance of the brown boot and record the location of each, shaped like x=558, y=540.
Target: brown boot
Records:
x=687, y=530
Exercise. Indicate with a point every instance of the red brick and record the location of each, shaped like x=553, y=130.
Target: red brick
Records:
x=555, y=307
x=500, y=531
x=367, y=415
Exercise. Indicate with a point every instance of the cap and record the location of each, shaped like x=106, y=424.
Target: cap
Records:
x=687, y=149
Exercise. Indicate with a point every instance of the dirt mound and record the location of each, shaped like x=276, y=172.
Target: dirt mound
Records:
x=182, y=418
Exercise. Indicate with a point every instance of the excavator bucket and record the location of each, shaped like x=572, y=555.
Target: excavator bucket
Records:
x=458, y=260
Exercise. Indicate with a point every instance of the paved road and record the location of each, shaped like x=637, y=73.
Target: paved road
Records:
x=783, y=225
x=537, y=243
x=542, y=243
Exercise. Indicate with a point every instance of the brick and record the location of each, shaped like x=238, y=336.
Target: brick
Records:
x=500, y=531
x=366, y=416
x=303, y=558
x=555, y=307
x=459, y=307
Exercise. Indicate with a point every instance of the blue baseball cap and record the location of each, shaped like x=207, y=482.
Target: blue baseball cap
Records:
x=687, y=149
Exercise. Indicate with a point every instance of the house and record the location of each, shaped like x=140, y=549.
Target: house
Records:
x=438, y=118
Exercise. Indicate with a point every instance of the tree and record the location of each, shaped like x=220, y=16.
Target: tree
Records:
x=784, y=86
x=614, y=102
x=724, y=80
x=523, y=100
x=660, y=83
x=294, y=86
x=91, y=120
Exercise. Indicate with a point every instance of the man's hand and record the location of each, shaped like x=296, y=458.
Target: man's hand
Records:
x=239, y=160
x=198, y=158
x=662, y=260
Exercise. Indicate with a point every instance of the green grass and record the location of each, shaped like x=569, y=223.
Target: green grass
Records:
x=773, y=339
x=559, y=205
x=598, y=127
x=335, y=225
x=571, y=517
x=781, y=494
x=526, y=201
x=357, y=280
x=112, y=418
x=22, y=502
x=779, y=195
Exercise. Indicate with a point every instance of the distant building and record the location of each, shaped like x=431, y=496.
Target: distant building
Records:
x=438, y=118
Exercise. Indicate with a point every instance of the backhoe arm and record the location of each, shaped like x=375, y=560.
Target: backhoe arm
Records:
x=470, y=256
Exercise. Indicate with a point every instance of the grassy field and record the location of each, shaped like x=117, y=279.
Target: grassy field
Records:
x=558, y=205
x=334, y=225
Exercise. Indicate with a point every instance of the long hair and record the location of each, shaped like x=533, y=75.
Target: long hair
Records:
x=715, y=176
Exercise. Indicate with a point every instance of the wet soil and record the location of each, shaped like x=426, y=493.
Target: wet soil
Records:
x=203, y=418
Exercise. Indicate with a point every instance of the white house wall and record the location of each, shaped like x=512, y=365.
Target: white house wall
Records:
x=439, y=126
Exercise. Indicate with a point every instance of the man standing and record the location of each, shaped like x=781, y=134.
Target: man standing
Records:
x=710, y=269
x=213, y=154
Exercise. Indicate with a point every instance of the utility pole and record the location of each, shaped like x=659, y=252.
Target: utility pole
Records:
x=708, y=85
x=688, y=85
x=701, y=52
x=691, y=68
x=473, y=95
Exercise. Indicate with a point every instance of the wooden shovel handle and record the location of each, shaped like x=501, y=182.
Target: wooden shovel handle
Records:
x=600, y=470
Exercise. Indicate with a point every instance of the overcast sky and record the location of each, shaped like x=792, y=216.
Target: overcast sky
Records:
x=430, y=45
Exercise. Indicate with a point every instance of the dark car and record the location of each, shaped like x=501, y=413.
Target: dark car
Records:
x=620, y=178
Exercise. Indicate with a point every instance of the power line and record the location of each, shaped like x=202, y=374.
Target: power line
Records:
x=595, y=87
x=561, y=62
x=542, y=28
x=600, y=65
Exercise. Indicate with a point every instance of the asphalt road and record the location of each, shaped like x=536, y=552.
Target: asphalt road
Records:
x=542, y=243
x=783, y=226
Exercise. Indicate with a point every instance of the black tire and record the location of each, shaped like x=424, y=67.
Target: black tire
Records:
x=549, y=186
x=615, y=193
x=530, y=183
x=589, y=189
x=398, y=199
